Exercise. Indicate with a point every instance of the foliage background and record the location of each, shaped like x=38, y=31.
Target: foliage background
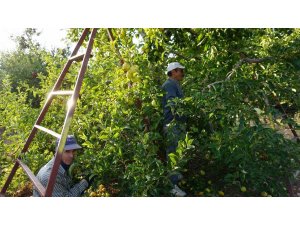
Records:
x=235, y=80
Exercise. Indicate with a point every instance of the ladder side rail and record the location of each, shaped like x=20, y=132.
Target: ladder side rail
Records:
x=9, y=178
x=69, y=63
x=79, y=43
x=39, y=187
x=68, y=118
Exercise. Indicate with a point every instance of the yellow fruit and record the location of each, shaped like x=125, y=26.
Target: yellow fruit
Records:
x=145, y=82
x=153, y=103
x=126, y=67
x=135, y=78
x=264, y=194
x=107, y=195
x=123, y=33
x=202, y=172
x=93, y=194
x=243, y=189
x=130, y=75
x=221, y=193
x=130, y=101
x=134, y=68
x=102, y=188
x=207, y=190
x=7, y=158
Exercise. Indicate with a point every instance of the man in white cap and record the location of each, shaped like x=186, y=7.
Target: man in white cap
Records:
x=63, y=186
x=173, y=132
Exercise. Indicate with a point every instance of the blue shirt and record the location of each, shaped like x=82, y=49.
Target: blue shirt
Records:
x=172, y=90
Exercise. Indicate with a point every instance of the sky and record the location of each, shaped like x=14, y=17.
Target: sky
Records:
x=49, y=38
x=213, y=14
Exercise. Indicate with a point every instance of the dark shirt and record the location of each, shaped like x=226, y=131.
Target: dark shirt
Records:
x=65, y=166
x=172, y=90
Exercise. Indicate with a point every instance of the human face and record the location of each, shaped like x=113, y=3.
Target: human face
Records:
x=68, y=156
x=178, y=74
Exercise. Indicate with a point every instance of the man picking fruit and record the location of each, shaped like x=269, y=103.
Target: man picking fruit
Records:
x=173, y=125
x=63, y=186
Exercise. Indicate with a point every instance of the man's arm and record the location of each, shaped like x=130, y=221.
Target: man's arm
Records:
x=61, y=188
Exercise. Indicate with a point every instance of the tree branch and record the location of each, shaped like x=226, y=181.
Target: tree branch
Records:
x=112, y=39
x=248, y=60
x=245, y=60
x=236, y=66
x=184, y=57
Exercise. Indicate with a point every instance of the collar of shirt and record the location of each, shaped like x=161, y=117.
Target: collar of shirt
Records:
x=173, y=80
x=65, y=166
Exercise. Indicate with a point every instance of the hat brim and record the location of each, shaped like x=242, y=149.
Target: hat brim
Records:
x=72, y=147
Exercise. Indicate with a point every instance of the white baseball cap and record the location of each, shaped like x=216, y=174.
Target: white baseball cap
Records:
x=174, y=65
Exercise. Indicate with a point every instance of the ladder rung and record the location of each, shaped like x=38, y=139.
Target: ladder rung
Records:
x=48, y=131
x=61, y=92
x=35, y=181
x=77, y=58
